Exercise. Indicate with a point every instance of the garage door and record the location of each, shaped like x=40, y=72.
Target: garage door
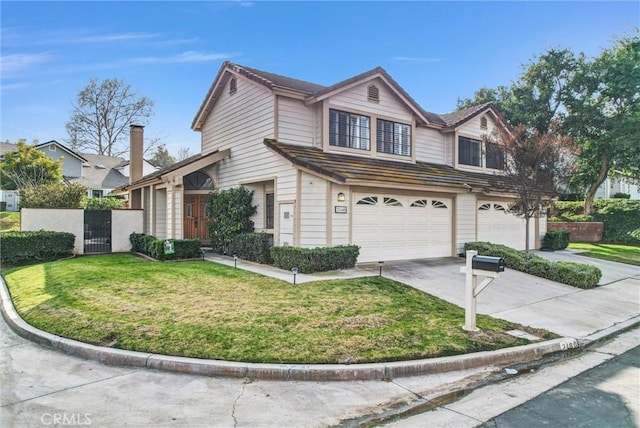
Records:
x=496, y=224
x=395, y=227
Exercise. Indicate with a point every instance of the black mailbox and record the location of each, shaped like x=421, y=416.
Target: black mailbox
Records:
x=492, y=264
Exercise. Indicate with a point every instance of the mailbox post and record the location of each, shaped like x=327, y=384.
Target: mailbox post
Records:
x=490, y=268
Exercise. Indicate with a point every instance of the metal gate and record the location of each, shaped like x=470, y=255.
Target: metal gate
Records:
x=97, y=231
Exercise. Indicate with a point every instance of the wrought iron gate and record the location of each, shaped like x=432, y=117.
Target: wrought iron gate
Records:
x=97, y=231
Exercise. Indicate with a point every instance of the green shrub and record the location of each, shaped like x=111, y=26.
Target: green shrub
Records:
x=320, y=259
x=575, y=274
x=230, y=212
x=56, y=195
x=556, y=240
x=108, y=203
x=621, y=196
x=151, y=246
x=184, y=249
x=621, y=218
x=255, y=247
x=18, y=247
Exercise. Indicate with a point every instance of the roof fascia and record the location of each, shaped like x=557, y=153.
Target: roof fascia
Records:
x=210, y=98
x=66, y=149
x=197, y=165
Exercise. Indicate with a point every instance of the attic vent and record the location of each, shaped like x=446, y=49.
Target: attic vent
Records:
x=86, y=164
x=483, y=122
x=233, y=86
x=100, y=166
x=52, y=147
x=373, y=93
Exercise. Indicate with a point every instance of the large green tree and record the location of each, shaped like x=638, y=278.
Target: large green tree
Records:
x=593, y=100
x=28, y=167
x=603, y=115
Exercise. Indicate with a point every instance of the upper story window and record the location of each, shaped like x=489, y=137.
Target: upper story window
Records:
x=495, y=156
x=469, y=151
x=349, y=130
x=394, y=138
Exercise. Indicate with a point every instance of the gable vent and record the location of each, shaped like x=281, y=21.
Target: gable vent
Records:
x=483, y=122
x=373, y=93
x=233, y=86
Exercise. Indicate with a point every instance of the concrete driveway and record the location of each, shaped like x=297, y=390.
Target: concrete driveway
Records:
x=529, y=300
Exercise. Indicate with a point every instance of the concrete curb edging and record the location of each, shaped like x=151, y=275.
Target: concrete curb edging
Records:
x=303, y=372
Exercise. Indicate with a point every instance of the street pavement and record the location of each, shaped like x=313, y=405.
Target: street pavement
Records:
x=42, y=387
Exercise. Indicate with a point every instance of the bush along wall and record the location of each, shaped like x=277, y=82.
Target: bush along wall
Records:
x=255, y=247
x=576, y=274
x=153, y=247
x=556, y=240
x=19, y=247
x=320, y=259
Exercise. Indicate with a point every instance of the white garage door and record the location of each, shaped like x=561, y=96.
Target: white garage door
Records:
x=395, y=227
x=496, y=224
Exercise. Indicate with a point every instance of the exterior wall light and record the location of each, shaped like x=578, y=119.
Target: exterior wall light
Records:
x=341, y=197
x=294, y=270
x=235, y=260
x=380, y=266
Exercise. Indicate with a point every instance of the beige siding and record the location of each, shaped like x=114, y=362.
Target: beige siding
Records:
x=339, y=221
x=296, y=122
x=465, y=220
x=355, y=99
x=318, y=125
x=449, y=148
x=472, y=128
x=430, y=146
x=161, y=213
x=313, y=211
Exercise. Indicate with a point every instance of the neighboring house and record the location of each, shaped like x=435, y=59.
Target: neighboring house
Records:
x=619, y=183
x=358, y=162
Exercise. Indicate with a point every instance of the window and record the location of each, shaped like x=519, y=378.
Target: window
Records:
x=483, y=122
x=52, y=147
x=391, y=202
x=368, y=200
x=349, y=130
x=495, y=156
x=373, y=93
x=469, y=151
x=269, y=211
x=394, y=138
x=233, y=86
x=198, y=181
x=438, y=204
x=96, y=193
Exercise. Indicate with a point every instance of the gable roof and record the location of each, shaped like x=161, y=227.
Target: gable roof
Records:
x=310, y=91
x=63, y=147
x=457, y=117
x=100, y=172
x=356, y=170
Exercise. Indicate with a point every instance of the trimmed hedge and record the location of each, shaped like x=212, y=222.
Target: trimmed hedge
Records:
x=621, y=218
x=255, y=247
x=320, y=259
x=18, y=247
x=576, y=274
x=153, y=247
x=556, y=240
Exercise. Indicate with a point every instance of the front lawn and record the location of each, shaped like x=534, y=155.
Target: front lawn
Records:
x=207, y=310
x=616, y=253
x=9, y=221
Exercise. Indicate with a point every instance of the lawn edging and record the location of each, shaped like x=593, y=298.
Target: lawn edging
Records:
x=303, y=372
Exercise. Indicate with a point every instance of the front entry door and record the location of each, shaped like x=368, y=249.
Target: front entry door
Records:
x=195, y=217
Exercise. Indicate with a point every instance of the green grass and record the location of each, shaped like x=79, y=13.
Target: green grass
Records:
x=207, y=310
x=9, y=221
x=617, y=253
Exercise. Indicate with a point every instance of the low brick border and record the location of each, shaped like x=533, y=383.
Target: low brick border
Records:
x=301, y=372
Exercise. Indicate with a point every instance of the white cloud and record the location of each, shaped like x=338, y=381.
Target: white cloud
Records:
x=184, y=57
x=14, y=63
x=116, y=37
x=417, y=60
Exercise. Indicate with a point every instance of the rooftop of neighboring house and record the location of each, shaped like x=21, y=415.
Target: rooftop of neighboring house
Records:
x=101, y=172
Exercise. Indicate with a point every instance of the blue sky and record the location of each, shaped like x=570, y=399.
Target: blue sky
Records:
x=171, y=51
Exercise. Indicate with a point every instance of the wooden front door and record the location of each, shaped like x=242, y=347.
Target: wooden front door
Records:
x=195, y=217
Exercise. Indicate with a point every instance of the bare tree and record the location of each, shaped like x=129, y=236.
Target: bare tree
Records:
x=102, y=114
x=183, y=153
x=536, y=167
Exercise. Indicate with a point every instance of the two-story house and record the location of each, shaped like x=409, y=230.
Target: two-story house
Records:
x=358, y=162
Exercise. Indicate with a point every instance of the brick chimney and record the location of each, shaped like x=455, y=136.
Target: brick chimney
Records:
x=136, y=140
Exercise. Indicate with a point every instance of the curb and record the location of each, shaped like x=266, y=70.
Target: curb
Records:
x=300, y=372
